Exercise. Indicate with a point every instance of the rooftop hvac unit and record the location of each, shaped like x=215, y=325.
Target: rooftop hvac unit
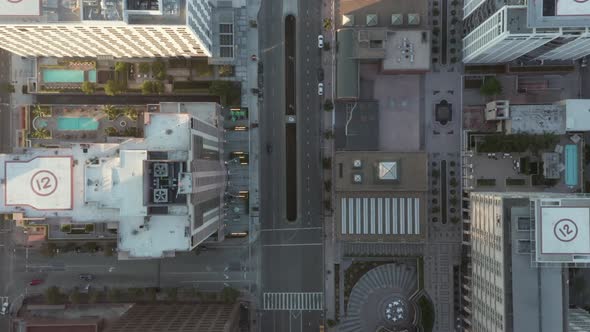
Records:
x=357, y=163
x=357, y=178
x=160, y=170
x=160, y=195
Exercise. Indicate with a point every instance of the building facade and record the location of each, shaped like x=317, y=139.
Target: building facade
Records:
x=517, y=250
x=111, y=28
x=159, y=193
x=504, y=31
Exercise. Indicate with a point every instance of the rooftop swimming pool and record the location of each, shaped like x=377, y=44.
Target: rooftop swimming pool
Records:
x=67, y=75
x=571, y=165
x=68, y=123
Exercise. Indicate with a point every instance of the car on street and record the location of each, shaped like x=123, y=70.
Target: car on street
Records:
x=4, y=309
x=268, y=148
x=320, y=89
x=320, y=74
x=320, y=41
x=86, y=276
x=35, y=282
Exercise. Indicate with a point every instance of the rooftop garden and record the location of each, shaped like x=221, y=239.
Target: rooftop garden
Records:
x=516, y=143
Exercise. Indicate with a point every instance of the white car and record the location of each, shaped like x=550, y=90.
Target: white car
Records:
x=320, y=41
x=4, y=309
x=320, y=89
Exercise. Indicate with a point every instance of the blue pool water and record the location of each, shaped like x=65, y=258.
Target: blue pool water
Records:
x=66, y=123
x=67, y=75
x=92, y=75
x=571, y=165
x=63, y=76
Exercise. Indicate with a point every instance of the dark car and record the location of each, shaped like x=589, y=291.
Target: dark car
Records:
x=320, y=74
x=268, y=148
x=86, y=276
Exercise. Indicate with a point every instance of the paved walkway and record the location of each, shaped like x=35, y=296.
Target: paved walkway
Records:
x=331, y=248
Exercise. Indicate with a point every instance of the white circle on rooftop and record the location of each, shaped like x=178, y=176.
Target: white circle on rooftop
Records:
x=44, y=183
x=565, y=230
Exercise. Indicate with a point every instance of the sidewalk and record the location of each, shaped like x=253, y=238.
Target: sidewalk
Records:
x=331, y=254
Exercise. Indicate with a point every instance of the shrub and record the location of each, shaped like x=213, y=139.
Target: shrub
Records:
x=53, y=295
x=113, y=88
x=226, y=70
x=75, y=295
x=491, y=86
x=111, y=131
x=88, y=88
x=159, y=70
x=152, y=87
x=89, y=228
x=229, y=294
x=144, y=68
x=66, y=228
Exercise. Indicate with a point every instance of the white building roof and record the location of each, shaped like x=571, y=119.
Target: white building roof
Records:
x=577, y=114
x=42, y=183
x=104, y=182
x=565, y=230
x=572, y=8
x=20, y=8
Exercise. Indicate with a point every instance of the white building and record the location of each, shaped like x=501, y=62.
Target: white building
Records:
x=107, y=28
x=537, y=30
x=161, y=193
x=519, y=247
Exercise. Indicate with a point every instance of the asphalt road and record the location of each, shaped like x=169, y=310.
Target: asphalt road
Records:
x=291, y=252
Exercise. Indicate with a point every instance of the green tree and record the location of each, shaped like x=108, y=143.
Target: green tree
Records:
x=88, y=87
x=40, y=133
x=435, y=209
x=7, y=88
x=455, y=219
x=122, y=67
x=111, y=131
x=328, y=105
x=172, y=294
x=159, y=69
x=152, y=293
x=226, y=70
x=453, y=182
x=453, y=200
x=42, y=111
x=144, y=68
x=328, y=134
x=93, y=296
x=53, y=295
x=328, y=205
x=75, y=295
x=131, y=112
x=229, y=92
x=229, y=294
x=136, y=293
x=491, y=87
x=327, y=163
x=328, y=185
x=112, y=112
x=90, y=246
x=435, y=173
x=48, y=249
x=114, y=295
x=113, y=88
x=152, y=87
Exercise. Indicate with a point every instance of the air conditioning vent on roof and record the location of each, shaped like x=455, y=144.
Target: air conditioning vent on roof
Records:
x=357, y=178
x=357, y=163
x=160, y=195
x=160, y=170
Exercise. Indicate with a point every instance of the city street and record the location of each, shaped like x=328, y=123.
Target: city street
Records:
x=292, y=252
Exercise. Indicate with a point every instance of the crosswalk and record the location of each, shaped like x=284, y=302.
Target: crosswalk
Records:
x=293, y=301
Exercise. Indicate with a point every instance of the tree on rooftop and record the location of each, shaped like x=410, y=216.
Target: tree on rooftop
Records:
x=112, y=88
x=144, y=68
x=88, y=87
x=491, y=87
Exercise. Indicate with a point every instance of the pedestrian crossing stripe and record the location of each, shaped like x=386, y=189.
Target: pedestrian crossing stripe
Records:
x=293, y=301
